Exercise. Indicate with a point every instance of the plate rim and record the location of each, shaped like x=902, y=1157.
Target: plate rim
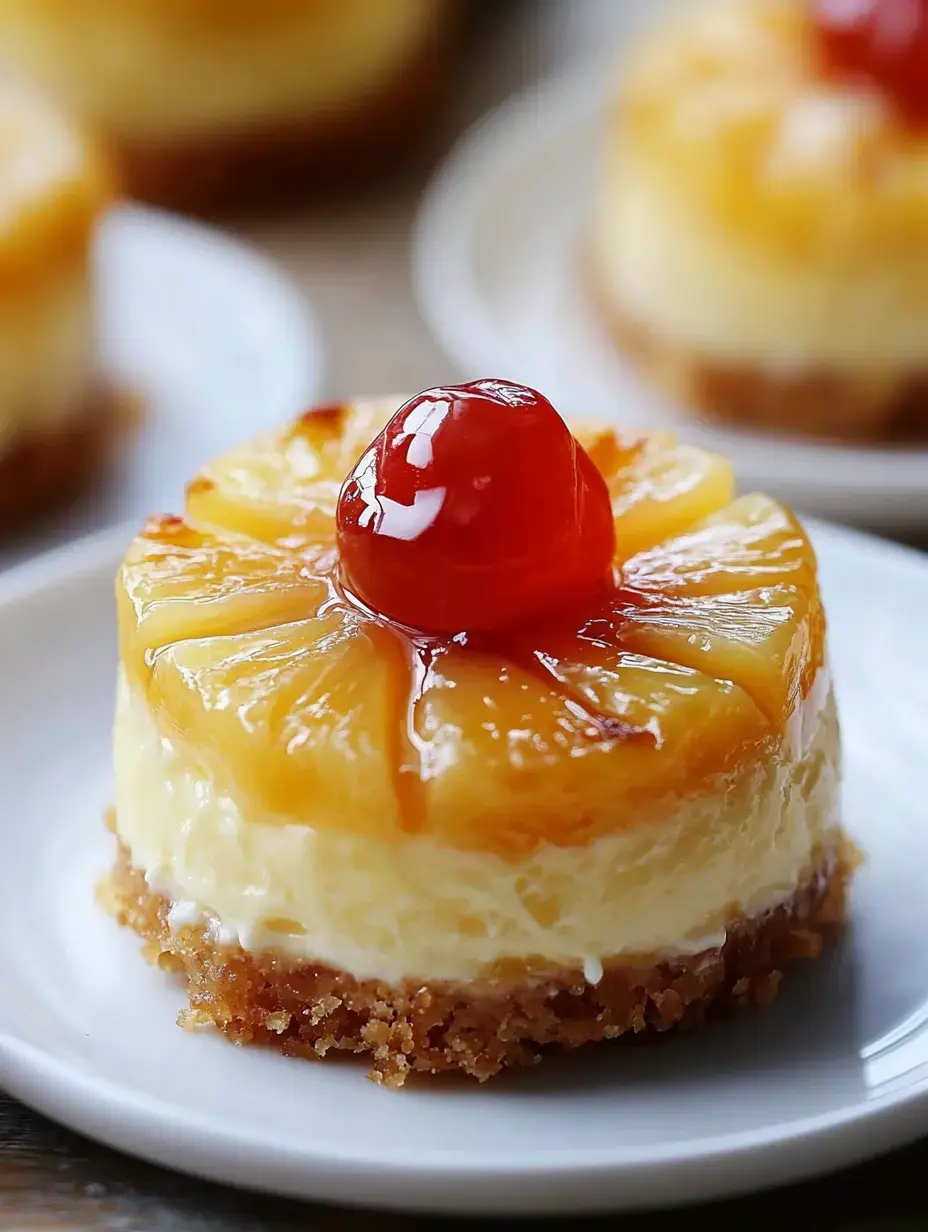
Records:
x=167, y=1133
x=294, y=299
x=449, y=299
x=219, y=237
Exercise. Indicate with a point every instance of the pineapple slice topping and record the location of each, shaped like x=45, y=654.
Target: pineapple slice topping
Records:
x=305, y=707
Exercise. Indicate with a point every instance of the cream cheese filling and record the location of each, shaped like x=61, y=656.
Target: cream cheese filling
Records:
x=418, y=909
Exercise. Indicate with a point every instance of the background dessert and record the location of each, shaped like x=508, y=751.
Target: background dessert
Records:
x=760, y=243
x=207, y=102
x=54, y=414
x=450, y=850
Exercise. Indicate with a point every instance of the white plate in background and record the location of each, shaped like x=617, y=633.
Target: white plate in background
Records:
x=213, y=341
x=834, y=1071
x=498, y=275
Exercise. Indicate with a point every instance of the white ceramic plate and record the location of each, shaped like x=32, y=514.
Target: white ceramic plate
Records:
x=498, y=273
x=837, y=1069
x=215, y=341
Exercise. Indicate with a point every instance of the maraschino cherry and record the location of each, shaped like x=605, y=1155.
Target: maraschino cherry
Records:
x=880, y=42
x=474, y=510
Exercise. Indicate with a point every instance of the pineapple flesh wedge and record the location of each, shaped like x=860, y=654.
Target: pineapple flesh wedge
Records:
x=284, y=486
x=509, y=759
x=303, y=707
x=753, y=542
x=736, y=597
x=300, y=718
x=181, y=581
x=658, y=486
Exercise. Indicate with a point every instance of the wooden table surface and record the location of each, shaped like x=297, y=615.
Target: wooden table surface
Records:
x=353, y=260
x=52, y=1179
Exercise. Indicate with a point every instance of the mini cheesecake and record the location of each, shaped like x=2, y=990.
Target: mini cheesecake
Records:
x=605, y=805
x=52, y=408
x=207, y=102
x=760, y=240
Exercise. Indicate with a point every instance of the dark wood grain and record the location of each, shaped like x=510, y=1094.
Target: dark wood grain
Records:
x=53, y=1179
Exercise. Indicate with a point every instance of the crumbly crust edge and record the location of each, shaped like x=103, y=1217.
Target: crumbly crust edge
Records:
x=485, y=1026
x=819, y=403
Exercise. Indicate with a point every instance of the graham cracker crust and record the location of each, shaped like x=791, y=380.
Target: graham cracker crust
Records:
x=482, y=1027
x=264, y=163
x=822, y=404
x=41, y=471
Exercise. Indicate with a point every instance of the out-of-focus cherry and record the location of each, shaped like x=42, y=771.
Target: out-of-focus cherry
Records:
x=880, y=42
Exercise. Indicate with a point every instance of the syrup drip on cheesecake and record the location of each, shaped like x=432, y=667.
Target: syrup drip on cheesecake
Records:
x=881, y=43
x=476, y=517
x=262, y=646
x=536, y=649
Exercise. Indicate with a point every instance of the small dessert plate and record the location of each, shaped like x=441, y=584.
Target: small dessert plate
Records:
x=205, y=341
x=835, y=1070
x=499, y=274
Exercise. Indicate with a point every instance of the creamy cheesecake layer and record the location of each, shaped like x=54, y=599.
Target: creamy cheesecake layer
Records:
x=686, y=277
x=417, y=909
x=153, y=70
x=47, y=356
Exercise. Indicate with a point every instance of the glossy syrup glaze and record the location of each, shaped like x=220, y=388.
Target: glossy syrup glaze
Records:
x=475, y=508
x=686, y=662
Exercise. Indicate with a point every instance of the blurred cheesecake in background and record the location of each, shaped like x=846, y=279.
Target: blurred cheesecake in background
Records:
x=53, y=418
x=206, y=101
x=760, y=243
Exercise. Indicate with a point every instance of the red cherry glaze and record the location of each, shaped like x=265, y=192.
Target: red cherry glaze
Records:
x=881, y=42
x=474, y=510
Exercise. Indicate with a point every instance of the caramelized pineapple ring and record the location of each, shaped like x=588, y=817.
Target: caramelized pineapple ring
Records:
x=300, y=705
x=285, y=485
